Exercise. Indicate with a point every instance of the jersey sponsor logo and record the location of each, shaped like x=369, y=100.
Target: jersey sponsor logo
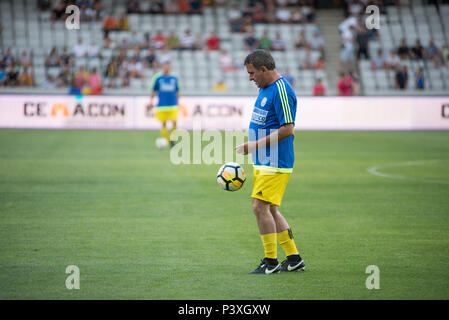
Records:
x=263, y=102
x=259, y=116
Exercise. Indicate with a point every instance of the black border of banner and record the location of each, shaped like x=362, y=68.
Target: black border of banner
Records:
x=243, y=309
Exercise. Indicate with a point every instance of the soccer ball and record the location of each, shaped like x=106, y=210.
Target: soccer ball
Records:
x=231, y=176
x=161, y=143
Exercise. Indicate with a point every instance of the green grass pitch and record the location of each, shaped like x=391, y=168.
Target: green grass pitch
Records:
x=139, y=227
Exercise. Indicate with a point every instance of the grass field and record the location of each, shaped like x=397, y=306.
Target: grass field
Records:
x=139, y=227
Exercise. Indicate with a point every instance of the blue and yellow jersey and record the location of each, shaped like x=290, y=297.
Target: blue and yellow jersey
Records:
x=274, y=107
x=166, y=87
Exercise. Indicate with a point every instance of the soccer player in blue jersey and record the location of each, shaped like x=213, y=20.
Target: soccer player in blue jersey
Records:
x=166, y=86
x=271, y=130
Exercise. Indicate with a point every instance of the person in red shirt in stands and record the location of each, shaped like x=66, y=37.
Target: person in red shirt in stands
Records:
x=213, y=42
x=345, y=85
x=319, y=89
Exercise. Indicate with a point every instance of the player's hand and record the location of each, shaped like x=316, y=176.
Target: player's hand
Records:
x=245, y=148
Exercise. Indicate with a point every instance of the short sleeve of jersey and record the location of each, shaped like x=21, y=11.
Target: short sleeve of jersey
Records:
x=284, y=102
x=155, y=85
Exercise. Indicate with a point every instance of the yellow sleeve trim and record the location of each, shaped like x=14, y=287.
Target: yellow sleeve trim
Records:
x=284, y=100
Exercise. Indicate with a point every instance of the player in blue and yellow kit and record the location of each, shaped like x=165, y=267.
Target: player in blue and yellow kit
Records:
x=271, y=144
x=167, y=88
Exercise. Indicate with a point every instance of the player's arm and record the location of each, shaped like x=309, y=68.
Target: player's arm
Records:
x=153, y=94
x=277, y=136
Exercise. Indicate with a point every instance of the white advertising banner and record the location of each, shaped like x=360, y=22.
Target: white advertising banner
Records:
x=222, y=112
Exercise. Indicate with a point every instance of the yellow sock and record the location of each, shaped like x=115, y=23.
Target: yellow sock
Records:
x=171, y=131
x=269, y=245
x=164, y=133
x=286, y=241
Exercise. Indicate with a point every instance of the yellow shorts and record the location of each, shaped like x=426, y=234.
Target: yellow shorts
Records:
x=269, y=186
x=169, y=114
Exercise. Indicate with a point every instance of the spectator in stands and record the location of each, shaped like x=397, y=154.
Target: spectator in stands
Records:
x=258, y=14
x=12, y=77
x=80, y=50
x=156, y=6
x=393, y=60
x=213, y=42
x=187, y=41
x=123, y=23
x=347, y=52
x=356, y=8
x=25, y=60
x=270, y=12
x=44, y=5
x=319, y=88
x=98, y=7
x=53, y=59
x=345, y=84
x=378, y=61
x=417, y=52
x=401, y=78
x=320, y=64
x=434, y=53
x=307, y=63
x=111, y=71
x=419, y=79
x=108, y=43
x=8, y=59
x=50, y=83
x=301, y=41
x=163, y=56
x=362, y=39
x=135, y=69
x=183, y=6
x=403, y=50
x=265, y=41
x=220, y=86
x=26, y=78
x=173, y=41
x=235, y=18
x=316, y=42
x=87, y=13
x=309, y=13
x=297, y=16
x=2, y=76
x=58, y=12
x=195, y=6
x=226, y=62
x=283, y=14
x=250, y=41
x=278, y=44
x=159, y=40
x=65, y=76
x=92, y=50
x=150, y=60
x=135, y=40
x=81, y=78
x=133, y=6
x=171, y=6
x=109, y=24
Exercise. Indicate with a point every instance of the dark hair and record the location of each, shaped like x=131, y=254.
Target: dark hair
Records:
x=259, y=58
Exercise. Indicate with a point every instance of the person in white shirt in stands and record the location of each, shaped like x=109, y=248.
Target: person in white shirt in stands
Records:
x=226, y=61
x=92, y=50
x=80, y=50
x=187, y=41
x=393, y=60
x=283, y=14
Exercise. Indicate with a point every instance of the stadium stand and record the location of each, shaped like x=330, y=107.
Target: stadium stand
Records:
x=125, y=41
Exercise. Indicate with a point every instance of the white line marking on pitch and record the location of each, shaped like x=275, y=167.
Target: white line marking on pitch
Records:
x=375, y=171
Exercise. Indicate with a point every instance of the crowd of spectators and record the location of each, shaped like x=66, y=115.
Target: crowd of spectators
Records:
x=270, y=11
x=16, y=70
x=355, y=47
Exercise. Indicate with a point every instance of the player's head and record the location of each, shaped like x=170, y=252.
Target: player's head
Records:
x=166, y=67
x=261, y=67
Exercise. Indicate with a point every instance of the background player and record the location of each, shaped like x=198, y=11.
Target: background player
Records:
x=166, y=86
x=272, y=123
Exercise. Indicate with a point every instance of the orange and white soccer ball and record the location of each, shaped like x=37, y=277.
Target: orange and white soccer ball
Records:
x=231, y=176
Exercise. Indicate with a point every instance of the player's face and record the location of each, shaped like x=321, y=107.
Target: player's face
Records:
x=258, y=76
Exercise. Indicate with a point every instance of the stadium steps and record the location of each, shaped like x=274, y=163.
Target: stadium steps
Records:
x=326, y=21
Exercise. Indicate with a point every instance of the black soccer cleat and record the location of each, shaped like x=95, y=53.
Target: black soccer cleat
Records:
x=267, y=266
x=293, y=263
